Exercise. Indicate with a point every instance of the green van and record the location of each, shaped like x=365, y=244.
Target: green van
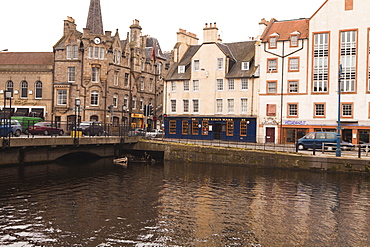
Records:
x=27, y=121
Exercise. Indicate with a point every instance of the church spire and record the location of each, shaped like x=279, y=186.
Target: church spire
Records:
x=94, y=19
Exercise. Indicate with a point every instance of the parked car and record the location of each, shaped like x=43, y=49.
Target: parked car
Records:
x=16, y=128
x=92, y=128
x=136, y=132
x=45, y=128
x=318, y=138
x=345, y=146
x=5, y=128
x=154, y=134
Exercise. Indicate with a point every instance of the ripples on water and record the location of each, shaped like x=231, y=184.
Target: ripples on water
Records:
x=101, y=204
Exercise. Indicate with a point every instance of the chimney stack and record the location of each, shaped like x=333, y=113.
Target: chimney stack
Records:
x=210, y=33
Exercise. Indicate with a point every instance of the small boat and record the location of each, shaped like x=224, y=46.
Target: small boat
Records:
x=121, y=161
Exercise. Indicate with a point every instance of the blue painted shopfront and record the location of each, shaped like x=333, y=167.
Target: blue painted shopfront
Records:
x=211, y=128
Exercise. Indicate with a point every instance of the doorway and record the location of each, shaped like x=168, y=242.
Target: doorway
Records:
x=218, y=131
x=270, y=135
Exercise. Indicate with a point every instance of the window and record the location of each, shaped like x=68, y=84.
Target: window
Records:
x=125, y=100
x=243, y=128
x=271, y=87
x=173, y=105
x=220, y=63
x=126, y=79
x=347, y=110
x=272, y=43
x=142, y=84
x=294, y=40
x=94, y=98
x=319, y=110
x=321, y=51
x=61, y=97
x=243, y=105
x=205, y=128
x=117, y=57
x=230, y=85
x=229, y=128
x=195, y=85
x=102, y=53
x=115, y=100
x=115, y=78
x=69, y=52
x=95, y=74
x=10, y=86
x=38, y=90
x=96, y=52
x=219, y=105
x=141, y=103
x=185, y=127
x=220, y=84
x=134, y=102
x=293, y=64
x=245, y=65
x=348, y=54
x=195, y=105
x=71, y=74
x=292, y=110
x=270, y=110
x=181, y=69
x=151, y=84
x=172, y=127
x=186, y=85
x=293, y=86
x=230, y=105
x=173, y=86
x=244, y=83
x=185, y=103
x=196, y=65
x=24, y=89
x=75, y=52
x=272, y=65
x=194, y=127
x=91, y=49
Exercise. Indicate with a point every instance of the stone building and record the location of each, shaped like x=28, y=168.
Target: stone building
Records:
x=28, y=76
x=112, y=78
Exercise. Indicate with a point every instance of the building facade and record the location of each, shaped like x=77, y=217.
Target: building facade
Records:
x=28, y=77
x=210, y=89
x=113, y=79
x=299, y=92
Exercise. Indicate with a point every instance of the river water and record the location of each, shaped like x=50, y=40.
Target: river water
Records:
x=173, y=204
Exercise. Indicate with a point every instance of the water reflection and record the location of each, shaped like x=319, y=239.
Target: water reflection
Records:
x=101, y=204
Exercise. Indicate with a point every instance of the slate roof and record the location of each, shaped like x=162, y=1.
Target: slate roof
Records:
x=238, y=52
x=26, y=58
x=285, y=28
x=94, y=19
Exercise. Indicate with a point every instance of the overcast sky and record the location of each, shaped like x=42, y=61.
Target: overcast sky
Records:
x=36, y=25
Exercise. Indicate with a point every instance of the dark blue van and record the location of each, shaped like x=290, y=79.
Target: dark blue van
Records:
x=317, y=137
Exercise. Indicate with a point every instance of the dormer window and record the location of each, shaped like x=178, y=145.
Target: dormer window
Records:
x=245, y=65
x=117, y=57
x=294, y=39
x=72, y=52
x=181, y=69
x=273, y=40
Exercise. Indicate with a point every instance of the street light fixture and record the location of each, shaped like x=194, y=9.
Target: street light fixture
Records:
x=77, y=106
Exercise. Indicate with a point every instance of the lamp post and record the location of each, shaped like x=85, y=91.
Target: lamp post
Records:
x=77, y=106
x=338, y=152
x=124, y=109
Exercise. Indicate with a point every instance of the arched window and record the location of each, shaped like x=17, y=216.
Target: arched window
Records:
x=134, y=102
x=10, y=86
x=38, y=89
x=24, y=89
x=94, y=118
x=125, y=100
x=115, y=100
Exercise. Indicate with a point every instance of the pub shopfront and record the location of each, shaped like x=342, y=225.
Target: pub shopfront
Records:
x=211, y=128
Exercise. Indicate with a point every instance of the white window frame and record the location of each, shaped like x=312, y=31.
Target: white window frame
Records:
x=181, y=69
x=185, y=105
x=219, y=105
x=95, y=74
x=245, y=65
x=230, y=106
x=220, y=63
x=94, y=98
x=196, y=106
x=196, y=65
x=71, y=74
x=196, y=85
x=230, y=84
x=173, y=105
x=244, y=105
x=173, y=86
x=62, y=97
x=186, y=85
x=244, y=84
x=220, y=84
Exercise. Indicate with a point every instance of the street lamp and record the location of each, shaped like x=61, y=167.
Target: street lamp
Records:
x=77, y=106
x=124, y=109
x=338, y=152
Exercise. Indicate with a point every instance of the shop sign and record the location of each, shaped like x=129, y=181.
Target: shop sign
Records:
x=289, y=122
x=136, y=115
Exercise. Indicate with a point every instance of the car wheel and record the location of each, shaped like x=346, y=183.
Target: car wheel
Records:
x=61, y=132
x=46, y=132
x=18, y=133
x=301, y=147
